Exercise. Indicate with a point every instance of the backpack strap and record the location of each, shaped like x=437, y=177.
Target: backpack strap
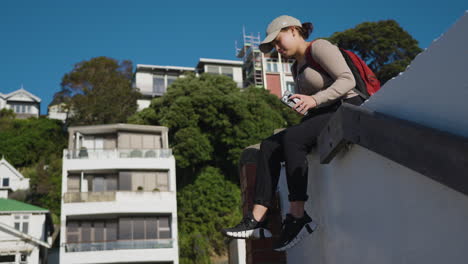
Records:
x=310, y=61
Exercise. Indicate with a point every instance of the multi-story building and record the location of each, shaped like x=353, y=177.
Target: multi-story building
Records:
x=270, y=71
x=118, y=196
x=25, y=232
x=153, y=80
x=22, y=102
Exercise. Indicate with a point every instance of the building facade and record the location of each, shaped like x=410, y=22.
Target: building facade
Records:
x=25, y=233
x=118, y=196
x=11, y=179
x=23, y=103
x=270, y=71
x=230, y=68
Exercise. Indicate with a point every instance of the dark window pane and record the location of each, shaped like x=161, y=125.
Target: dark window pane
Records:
x=6, y=182
x=111, y=182
x=158, y=84
x=164, y=222
x=138, y=228
x=17, y=226
x=125, y=181
x=151, y=228
x=25, y=227
x=86, y=232
x=98, y=184
x=98, y=231
x=125, y=228
x=111, y=231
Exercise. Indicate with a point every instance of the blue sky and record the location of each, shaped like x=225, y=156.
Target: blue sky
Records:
x=42, y=40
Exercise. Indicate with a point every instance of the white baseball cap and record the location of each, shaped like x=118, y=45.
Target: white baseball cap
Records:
x=274, y=29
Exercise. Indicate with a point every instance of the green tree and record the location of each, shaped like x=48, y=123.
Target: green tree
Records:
x=24, y=141
x=45, y=184
x=206, y=206
x=98, y=91
x=386, y=47
x=211, y=121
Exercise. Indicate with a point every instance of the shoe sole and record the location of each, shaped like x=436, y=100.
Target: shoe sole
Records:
x=254, y=233
x=308, y=229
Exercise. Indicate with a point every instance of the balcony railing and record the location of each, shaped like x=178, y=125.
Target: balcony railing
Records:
x=119, y=244
x=88, y=197
x=116, y=153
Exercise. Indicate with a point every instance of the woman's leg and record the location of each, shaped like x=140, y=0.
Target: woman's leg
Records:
x=269, y=160
x=298, y=140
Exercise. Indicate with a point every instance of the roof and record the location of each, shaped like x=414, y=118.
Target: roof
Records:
x=21, y=91
x=111, y=128
x=165, y=68
x=221, y=62
x=4, y=162
x=8, y=205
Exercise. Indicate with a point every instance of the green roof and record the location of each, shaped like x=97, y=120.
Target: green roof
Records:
x=8, y=205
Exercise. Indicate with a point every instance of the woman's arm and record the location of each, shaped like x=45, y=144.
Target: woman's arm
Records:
x=332, y=61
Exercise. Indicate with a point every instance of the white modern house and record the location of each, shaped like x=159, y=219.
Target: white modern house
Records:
x=230, y=68
x=22, y=102
x=11, y=179
x=25, y=232
x=118, y=196
x=153, y=80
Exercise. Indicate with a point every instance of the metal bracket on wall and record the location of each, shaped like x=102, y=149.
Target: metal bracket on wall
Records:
x=436, y=154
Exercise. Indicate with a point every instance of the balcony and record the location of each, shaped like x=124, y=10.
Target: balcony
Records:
x=119, y=244
x=89, y=197
x=116, y=153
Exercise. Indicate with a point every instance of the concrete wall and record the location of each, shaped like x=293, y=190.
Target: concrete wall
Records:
x=372, y=210
x=433, y=91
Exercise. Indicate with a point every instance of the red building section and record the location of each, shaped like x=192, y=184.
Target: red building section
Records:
x=273, y=82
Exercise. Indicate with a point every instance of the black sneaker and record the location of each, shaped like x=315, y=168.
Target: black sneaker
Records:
x=248, y=228
x=294, y=230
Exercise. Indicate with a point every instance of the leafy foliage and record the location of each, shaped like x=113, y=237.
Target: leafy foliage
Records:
x=206, y=206
x=24, y=141
x=98, y=91
x=211, y=121
x=386, y=47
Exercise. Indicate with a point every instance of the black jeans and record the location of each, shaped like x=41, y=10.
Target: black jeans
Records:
x=291, y=146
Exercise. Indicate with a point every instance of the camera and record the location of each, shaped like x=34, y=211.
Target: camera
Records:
x=290, y=102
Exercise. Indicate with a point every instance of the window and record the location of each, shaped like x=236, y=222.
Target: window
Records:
x=171, y=79
x=212, y=69
x=91, y=231
x=22, y=223
x=73, y=183
x=159, y=86
x=139, y=228
x=6, y=182
x=227, y=71
x=291, y=86
x=272, y=67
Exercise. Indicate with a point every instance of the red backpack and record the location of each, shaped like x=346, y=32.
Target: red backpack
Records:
x=366, y=82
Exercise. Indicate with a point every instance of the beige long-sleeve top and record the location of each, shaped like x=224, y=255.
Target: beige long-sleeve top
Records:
x=325, y=88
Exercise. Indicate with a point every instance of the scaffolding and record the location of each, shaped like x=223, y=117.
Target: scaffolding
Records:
x=252, y=58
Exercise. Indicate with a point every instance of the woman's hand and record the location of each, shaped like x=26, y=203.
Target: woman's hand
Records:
x=305, y=103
